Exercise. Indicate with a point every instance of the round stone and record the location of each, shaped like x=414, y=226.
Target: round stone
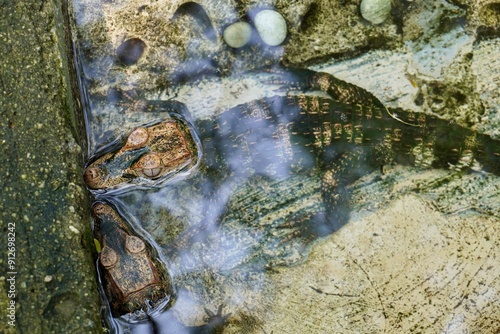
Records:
x=271, y=27
x=130, y=51
x=237, y=34
x=375, y=11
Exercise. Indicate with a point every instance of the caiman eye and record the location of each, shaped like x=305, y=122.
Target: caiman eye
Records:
x=151, y=172
x=108, y=257
x=134, y=244
x=137, y=138
x=149, y=166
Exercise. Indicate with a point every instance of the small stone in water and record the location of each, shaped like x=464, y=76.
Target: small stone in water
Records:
x=130, y=51
x=375, y=11
x=271, y=27
x=237, y=34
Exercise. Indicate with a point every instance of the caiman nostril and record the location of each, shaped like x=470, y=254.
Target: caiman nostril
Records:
x=92, y=177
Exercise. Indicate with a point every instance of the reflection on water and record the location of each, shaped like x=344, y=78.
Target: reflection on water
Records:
x=229, y=176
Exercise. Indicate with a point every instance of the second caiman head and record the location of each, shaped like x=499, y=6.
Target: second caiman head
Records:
x=134, y=279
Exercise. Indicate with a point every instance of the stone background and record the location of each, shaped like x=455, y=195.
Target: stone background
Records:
x=431, y=56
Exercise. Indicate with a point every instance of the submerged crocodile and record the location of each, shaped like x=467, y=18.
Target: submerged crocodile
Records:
x=132, y=275
x=345, y=135
x=273, y=173
x=135, y=280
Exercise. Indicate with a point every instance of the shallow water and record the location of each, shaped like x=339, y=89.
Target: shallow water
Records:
x=251, y=207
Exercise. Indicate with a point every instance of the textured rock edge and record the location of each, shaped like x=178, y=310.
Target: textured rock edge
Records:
x=43, y=192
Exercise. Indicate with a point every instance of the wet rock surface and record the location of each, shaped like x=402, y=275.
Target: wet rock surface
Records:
x=406, y=268
x=43, y=199
x=443, y=46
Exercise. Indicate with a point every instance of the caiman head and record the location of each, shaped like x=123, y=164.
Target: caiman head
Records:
x=133, y=279
x=149, y=154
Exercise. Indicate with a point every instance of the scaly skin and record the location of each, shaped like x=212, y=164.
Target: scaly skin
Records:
x=279, y=137
x=342, y=137
x=149, y=154
x=131, y=274
x=274, y=171
x=135, y=282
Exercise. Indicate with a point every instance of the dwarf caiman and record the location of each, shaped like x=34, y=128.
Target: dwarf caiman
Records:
x=307, y=148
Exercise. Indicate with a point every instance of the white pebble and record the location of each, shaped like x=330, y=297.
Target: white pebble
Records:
x=375, y=11
x=271, y=27
x=73, y=229
x=237, y=34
